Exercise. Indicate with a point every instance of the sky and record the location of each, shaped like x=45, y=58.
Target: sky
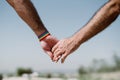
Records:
x=19, y=46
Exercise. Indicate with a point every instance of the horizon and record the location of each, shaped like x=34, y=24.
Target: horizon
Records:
x=20, y=47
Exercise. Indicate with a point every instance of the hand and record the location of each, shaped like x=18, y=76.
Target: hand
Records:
x=47, y=45
x=63, y=48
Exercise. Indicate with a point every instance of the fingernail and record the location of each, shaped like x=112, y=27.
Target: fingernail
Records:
x=59, y=56
x=56, y=59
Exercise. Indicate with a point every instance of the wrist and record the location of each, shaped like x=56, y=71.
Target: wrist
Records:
x=44, y=35
x=78, y=39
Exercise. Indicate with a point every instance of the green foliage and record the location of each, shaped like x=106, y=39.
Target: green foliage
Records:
x=49, y=75
x=105, y=67
x=21, y=71
x=1, y=77
x=61, y=75
x=82, y=70
x=101, y=66
x=116, y=59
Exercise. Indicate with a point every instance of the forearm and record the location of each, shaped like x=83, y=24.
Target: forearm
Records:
x=102, y=19
x=25, y=9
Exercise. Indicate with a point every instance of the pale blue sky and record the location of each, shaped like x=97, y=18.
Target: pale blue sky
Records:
x=19, y=46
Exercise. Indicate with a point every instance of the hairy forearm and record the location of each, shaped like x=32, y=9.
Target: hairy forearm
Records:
x=102, y=19
x=28, y=13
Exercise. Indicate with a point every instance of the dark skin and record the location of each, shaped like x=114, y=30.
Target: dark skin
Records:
x=26, y=10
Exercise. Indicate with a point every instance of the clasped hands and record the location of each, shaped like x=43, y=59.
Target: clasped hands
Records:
x=59, y=49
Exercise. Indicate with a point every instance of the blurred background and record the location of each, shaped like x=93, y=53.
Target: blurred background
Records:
x=21, y=56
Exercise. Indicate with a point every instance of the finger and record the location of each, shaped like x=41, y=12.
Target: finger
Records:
x=56, y=51
x=50, y=54
x=54, y=56
x=64, y=57
x=55, y=47
x=44, y=46
x=58, y=55
x=57, y=59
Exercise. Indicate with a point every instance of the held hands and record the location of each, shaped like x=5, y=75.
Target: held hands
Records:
x=47, y=45
x=64, y=48
x=59, y=49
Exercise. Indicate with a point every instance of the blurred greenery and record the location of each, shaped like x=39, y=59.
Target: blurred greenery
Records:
x=99, y=66
x=49, y=75
x=1, y=76
x=61, y=75
x=82, y=70
x=21, y=71
x=117, y=61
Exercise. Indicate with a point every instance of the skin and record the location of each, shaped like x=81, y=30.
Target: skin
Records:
x=26, y=10
x=101, y=20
